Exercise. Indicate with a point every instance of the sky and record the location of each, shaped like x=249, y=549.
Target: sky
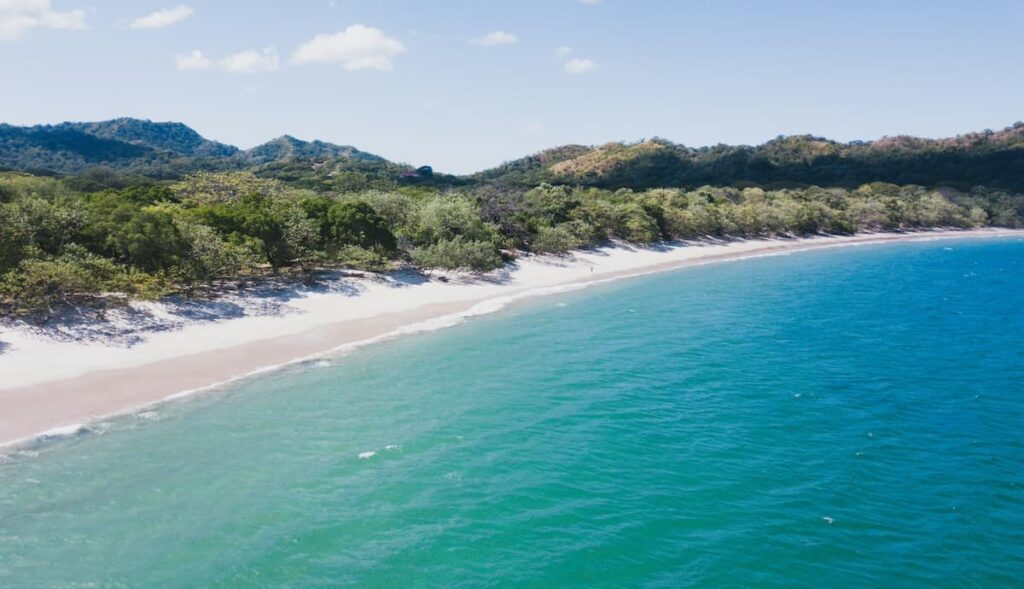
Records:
x=464, y=85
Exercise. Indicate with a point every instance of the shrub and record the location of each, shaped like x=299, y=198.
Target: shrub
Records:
x=445, y=218
x=458, y=254
x=42, y=285
x=556, y=240
x=353, y=256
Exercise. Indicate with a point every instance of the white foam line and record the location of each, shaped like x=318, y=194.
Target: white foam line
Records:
x=65, y=431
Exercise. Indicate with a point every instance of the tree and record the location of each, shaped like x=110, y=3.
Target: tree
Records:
x=550, y=204
x=250, y=219
x=118, y=226
x=41, y=285
x=210, y=257
x=444, y=218
x=458, y=254
x=355, y=222
x=556, y=240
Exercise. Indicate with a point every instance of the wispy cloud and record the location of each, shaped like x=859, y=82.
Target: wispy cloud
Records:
x=590, y=2
x=579, y=66
x=576, y=65
x=495, y=38
x=17, y=17
x=193, y=61
x=243, y=62
x=250, y=62
x=163, y=18
x=356, y=48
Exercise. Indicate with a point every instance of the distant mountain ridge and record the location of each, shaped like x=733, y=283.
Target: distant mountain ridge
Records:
x=171, y=150
x=146, y=147
x=992, y=158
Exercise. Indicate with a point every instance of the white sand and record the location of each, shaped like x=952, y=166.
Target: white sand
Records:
x=47, y=384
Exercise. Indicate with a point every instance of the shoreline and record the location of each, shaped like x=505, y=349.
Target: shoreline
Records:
x=92, y=380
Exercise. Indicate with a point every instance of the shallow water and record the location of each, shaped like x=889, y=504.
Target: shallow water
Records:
x=839, y=418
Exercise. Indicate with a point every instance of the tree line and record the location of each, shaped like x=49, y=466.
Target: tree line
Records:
x=86, y=240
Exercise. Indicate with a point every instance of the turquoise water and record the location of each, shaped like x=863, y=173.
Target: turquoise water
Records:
x=838, y=418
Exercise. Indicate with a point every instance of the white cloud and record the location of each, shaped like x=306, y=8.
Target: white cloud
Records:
x=17, y=17
x=590, y=2
x=579, y=66
x=356, y=48
x=163, y=18
x=193, y=61
x=563, y=51
x=495, y=38
x=244, y=62
x=250, y=62
x=534, y=127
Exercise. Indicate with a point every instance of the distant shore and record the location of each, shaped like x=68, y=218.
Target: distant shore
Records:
x=56, y=385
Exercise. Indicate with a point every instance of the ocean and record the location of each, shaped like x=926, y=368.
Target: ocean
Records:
x=849, y=417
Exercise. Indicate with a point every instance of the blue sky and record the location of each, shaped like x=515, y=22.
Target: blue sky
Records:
x=465, y=84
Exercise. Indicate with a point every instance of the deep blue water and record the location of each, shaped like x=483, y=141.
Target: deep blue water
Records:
x=838, y=418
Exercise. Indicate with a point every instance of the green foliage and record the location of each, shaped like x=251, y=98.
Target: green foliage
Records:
x=36, y=214
x=633, y=223
x=76, y=276
x=210, y=257
x=558, y=239
x=60, y=246
x=549, y=204
x=353, y=256
x=458, y=253
x=119, y=227
x=395, y=208
x=994, y=159
x=210, y=188
x=117, y=153
x=444, y=218
x=355, y=222
x=249, y=221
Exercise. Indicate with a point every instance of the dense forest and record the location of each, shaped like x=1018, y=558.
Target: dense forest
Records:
x=172, y=151
x=990, y=158
x=170, y=212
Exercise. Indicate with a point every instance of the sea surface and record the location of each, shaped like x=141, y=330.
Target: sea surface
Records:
x=851, y=417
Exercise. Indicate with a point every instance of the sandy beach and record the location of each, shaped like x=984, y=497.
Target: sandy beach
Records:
x=55, y=380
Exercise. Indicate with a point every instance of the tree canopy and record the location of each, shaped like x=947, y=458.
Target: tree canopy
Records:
x=65, y=241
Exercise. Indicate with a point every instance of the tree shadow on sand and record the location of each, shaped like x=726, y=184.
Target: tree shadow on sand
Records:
x=128, y=324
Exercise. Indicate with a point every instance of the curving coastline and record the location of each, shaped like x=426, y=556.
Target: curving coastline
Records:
x=58, y=386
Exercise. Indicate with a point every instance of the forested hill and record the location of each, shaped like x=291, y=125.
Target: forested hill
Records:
x=287, y=147
x=173, y=137
x=994, y=159
x=989, y=158
x=146, y=148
